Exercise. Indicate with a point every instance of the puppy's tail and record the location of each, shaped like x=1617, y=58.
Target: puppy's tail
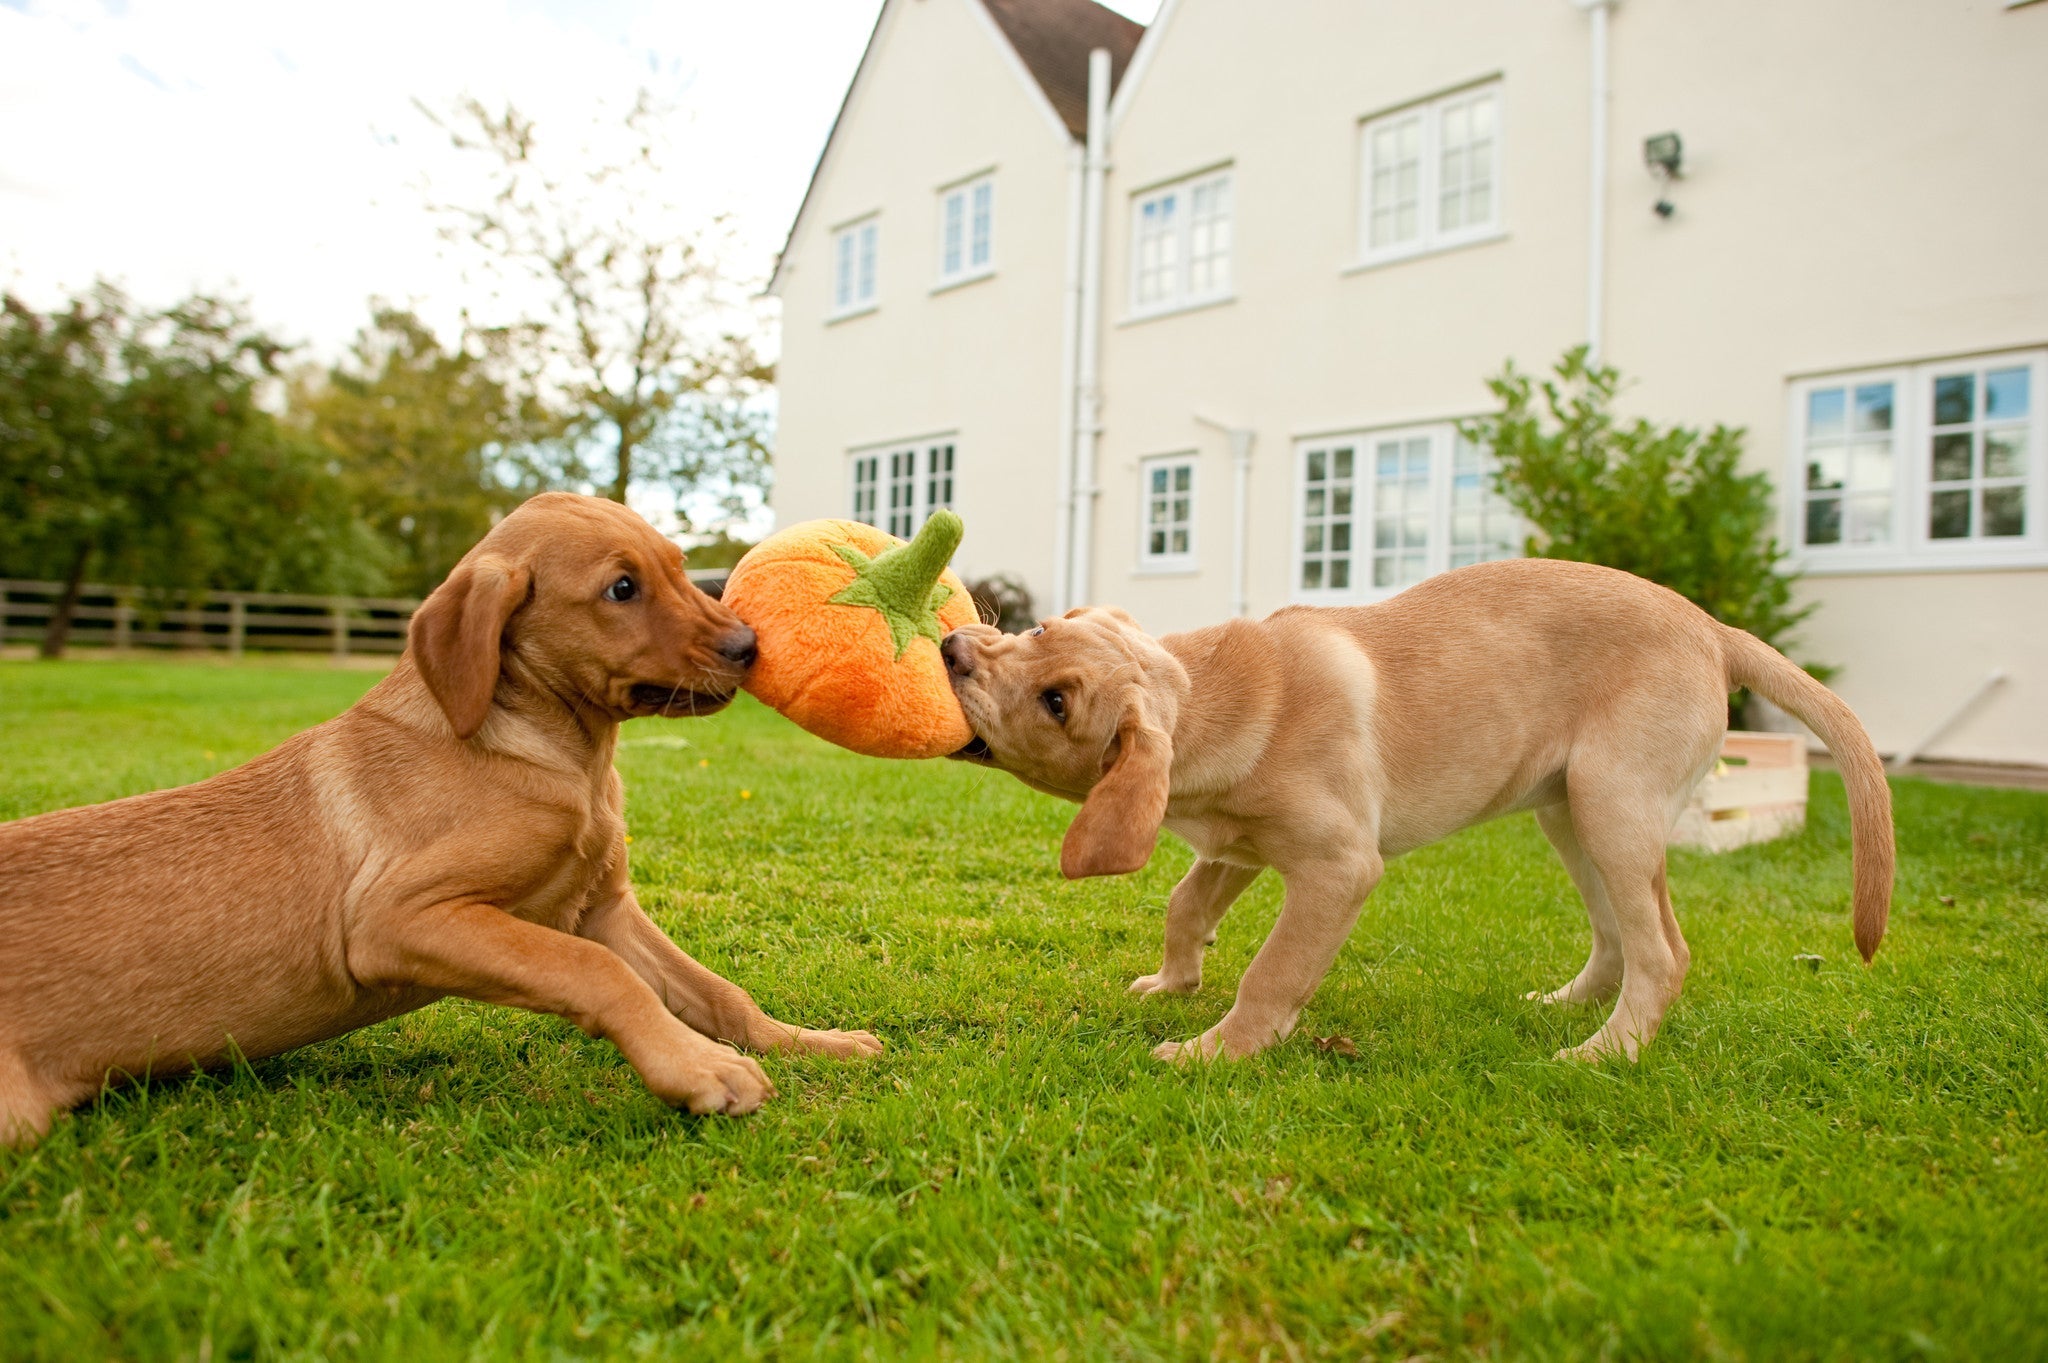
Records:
x=1755, y=664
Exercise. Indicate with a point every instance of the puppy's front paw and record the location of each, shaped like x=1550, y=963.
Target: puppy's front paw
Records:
x=1599, y=1048
x=1207, y=1046
x=715, y=1079
x=839, y=1045
x=1163, y=983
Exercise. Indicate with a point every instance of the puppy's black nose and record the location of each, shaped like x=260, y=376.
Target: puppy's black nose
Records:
x=739, y=647
x=959, y=655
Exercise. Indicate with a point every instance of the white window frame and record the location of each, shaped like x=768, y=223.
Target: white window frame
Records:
x=1430, y=236
x=856, y=268
x=1911, y=548
x=969, y=194
x=896, y=485
x=1168, y=560
x=864, y=481
x=1178, y=198
x=1443, y=438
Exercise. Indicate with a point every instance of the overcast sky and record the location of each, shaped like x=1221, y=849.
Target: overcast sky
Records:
x=270, y=148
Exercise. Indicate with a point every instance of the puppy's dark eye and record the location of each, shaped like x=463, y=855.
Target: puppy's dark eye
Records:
x=1036, y=632
x=625, y=589
x=1055, y=705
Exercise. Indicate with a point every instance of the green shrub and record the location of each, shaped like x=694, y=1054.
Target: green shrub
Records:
x=1668, y=503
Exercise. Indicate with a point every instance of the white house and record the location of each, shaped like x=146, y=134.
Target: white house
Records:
x=1208, y=355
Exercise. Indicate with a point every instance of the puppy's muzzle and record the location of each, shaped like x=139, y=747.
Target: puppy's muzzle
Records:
x=958, y=651
x=739, y=647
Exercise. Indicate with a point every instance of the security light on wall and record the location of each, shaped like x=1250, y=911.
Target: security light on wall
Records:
x=1664, y=154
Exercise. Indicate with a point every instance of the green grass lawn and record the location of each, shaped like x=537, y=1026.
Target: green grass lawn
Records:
x=1849, y=1164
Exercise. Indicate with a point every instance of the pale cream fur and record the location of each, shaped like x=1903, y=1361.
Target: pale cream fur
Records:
x=1323, y=741
x=459, y=831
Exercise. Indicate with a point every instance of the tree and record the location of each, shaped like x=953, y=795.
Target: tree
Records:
x=133, y=445
x=633, y=327
x=1668, y=503
x=61, y=450
x=429, y=446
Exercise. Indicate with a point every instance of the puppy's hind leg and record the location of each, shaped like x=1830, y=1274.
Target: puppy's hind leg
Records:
x=1680, y=952
x=1623, y=833
x=1602, y=973
x=1198, y=904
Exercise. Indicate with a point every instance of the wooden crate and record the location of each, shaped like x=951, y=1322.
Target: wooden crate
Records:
x=1756, y=792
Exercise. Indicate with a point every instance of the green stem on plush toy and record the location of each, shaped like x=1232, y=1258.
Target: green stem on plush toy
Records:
x=903, y=583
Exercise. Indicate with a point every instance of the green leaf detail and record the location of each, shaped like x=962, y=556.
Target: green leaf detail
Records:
x=903, y=583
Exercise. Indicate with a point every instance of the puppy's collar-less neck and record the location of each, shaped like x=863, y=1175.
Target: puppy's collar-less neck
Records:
x=1231, y=736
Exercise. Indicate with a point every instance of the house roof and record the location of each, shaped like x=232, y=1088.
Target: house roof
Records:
x=1054, y=38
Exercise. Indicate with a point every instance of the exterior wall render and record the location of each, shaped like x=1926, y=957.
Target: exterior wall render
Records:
x=978, y=360
x=1816, y=229
x=1861, y=187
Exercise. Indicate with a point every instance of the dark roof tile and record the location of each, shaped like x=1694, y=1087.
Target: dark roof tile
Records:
x=1054, y=38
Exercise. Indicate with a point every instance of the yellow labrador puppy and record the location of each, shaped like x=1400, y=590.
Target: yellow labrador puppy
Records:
x=1321, y=741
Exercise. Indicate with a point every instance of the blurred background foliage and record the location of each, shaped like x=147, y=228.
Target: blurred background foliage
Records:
x=187, y=449
x=177, y=450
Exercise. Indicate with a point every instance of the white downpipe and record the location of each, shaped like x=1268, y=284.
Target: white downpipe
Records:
x=1241, y=527
x=1088, y=347
x=1596, y=221
x=1070, y=315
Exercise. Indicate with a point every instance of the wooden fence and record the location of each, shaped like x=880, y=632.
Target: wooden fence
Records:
x=130, y=617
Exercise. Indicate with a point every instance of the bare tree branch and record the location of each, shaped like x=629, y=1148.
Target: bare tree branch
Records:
x=640, y=332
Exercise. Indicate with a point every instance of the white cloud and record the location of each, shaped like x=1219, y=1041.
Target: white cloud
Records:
x=273, y=149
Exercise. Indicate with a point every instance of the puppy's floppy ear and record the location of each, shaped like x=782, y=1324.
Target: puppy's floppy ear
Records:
x=456, y=633
x=1119, y=821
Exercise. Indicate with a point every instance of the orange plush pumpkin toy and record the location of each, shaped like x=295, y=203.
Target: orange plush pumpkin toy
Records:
x=848, y=619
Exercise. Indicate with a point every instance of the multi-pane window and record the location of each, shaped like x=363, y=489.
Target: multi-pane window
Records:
x=853, y=267
x=1937, y=463
x=902, y=520
x=967, y=216
x=1851, y=462
x=1393, y=148
x=1166, y=534
x=896, y=488
x=1383, y=510
x=1155, y=250
x=1180, y=244
x=865, y=467
x=1431, y=175
x=1483, y=525
x=1400, y=510
x=1326, y=518
x=1977, y=450
x=1465, y=163
x=1209, y=238
x=938, y=483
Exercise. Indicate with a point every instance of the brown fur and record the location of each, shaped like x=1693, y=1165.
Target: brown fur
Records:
x=457, y=831
x=1321, y=741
